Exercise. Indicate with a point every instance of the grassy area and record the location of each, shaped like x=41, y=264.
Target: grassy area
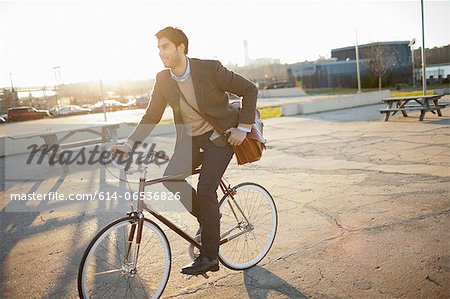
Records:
x=419, y=87
x=409, y=89
x=332, y=91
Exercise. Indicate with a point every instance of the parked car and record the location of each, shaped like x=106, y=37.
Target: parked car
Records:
x=131, y=103
x=69, y=110
x=3, y=118
x=279, y=84
x=26, y=113
x=142, y=102
x=111, y=105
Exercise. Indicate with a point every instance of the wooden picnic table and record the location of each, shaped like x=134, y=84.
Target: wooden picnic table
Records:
x=424, y=103
x=102, y=132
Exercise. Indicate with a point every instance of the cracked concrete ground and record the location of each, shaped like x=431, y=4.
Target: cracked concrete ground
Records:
x=364, y=212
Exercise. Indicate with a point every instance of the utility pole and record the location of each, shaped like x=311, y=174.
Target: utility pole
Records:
x=357, y=63
x=411, y=44
x=246, y=55
x=13, y=92
x=424, y=79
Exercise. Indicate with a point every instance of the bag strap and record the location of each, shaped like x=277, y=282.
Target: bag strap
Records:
x=216, y=128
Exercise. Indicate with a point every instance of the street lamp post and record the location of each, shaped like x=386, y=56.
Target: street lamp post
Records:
x=411, y=44
x=56, y=72
x=103, y=100
x=11, y=80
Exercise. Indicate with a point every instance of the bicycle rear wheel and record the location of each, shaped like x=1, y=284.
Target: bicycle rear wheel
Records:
x=249, y=220
x=107, y=271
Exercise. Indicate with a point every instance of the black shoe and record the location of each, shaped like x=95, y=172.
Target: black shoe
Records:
x=201, y=265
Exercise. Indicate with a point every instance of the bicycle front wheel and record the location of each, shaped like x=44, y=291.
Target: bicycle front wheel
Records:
x=248, y=226
x=108, y=267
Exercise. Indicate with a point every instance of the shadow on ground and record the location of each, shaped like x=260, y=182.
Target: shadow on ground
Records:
x=260, y=282
x=440, y=122
x=365, y=113
x=17, y=227
x=371, y=113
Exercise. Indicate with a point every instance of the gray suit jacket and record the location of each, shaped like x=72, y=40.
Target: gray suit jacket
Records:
x=211, y=82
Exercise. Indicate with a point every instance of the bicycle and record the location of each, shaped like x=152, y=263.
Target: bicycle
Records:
x=131, y=256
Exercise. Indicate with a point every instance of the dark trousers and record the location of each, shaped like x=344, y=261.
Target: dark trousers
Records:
x=204, y=205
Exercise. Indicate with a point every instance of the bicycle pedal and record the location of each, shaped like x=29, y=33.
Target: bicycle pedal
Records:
x=189, y=276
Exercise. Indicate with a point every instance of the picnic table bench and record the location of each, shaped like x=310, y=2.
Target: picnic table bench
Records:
x=423, y=103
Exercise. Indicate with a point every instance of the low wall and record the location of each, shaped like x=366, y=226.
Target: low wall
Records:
x=334, y=103
x=281, y=92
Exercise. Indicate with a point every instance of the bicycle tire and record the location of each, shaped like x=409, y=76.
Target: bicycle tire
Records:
x=149, y=228
x=247, y=195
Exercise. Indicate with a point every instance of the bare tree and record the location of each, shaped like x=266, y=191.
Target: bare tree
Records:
x=381, y=59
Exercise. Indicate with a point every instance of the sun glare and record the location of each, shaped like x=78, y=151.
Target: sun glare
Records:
x=114, y=40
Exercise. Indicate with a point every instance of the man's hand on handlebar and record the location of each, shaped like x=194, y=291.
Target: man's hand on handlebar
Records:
x=116, y=149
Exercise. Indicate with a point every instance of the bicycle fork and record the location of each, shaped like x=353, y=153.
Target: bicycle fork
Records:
x=131, y=256
x=138, y=220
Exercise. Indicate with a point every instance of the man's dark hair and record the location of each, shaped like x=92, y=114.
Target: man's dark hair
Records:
x=175, y=35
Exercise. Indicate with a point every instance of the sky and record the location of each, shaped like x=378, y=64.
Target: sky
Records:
x=114, y=40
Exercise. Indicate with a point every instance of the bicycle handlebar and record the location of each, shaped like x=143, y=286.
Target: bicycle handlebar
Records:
x=135, y=167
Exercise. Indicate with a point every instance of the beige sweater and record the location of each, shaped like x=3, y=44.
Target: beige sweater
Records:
x=190, y=117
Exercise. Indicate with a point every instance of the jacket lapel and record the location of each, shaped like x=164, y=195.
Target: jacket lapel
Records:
x=198, y=85
x=173, y=87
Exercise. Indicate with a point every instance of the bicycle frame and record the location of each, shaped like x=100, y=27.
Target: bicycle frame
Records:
x=138, y=215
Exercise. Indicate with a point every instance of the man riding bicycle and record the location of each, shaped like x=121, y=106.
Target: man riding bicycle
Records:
x=192, y=86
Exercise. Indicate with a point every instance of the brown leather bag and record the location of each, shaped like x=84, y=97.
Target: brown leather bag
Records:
x=251, y=149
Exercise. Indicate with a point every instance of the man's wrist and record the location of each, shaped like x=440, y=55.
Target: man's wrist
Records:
x=244, y=128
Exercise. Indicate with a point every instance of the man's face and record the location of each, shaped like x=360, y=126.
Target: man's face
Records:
x=171, y=55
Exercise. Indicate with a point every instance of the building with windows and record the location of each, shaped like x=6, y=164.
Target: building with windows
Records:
x=340, y=70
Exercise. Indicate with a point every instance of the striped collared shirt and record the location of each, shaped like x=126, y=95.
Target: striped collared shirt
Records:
x=186, y=74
